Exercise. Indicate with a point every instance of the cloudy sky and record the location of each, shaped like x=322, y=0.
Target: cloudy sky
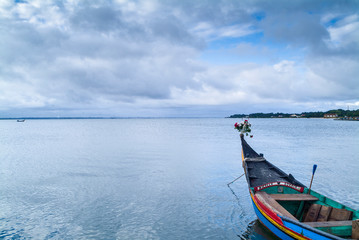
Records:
x=177, y=58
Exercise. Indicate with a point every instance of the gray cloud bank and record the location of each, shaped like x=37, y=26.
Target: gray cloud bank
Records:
x=138, y=58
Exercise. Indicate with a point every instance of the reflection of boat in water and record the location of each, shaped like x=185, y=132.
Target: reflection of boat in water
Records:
x=256, y=230
x=20, y=120
x=289, y=209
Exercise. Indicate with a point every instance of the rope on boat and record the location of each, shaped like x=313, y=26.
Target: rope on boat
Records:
x=234, y=194
x=235, y=179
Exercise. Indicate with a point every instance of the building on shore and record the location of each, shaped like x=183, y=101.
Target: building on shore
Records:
x=330, y=115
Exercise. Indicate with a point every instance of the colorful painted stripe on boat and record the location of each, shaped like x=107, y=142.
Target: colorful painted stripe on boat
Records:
x=274, y=223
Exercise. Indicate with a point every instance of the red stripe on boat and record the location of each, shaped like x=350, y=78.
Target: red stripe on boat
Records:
x=269, y=212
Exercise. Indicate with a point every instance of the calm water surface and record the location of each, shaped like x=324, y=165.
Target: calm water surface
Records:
x=158, y=178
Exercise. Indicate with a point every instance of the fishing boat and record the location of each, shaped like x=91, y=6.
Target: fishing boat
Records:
x=291, y=210
x=20, y=120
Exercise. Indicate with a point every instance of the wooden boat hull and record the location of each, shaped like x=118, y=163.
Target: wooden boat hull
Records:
x=269, y=185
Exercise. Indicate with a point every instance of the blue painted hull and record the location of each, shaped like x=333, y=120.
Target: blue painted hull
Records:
x=279, y=233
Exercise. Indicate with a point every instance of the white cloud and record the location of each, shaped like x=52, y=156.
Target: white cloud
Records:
x=353, y=104
x=345, y=32
x=210, y=32
x=285, y=81
x=284, y=66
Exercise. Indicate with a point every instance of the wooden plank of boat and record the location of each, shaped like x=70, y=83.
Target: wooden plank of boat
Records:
x=293, y=197
x=272, y=204
x=355, y=229
x=324, y=214
x=313, y=213
x=329, y=223
x=340, y=215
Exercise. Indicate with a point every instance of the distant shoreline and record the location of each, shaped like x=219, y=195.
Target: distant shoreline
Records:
x=338, y=113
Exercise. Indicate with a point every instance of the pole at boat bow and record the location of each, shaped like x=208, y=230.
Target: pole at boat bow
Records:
x=311, y=181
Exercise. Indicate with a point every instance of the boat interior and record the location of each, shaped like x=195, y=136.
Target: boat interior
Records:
x=313, y=210
x=324, y=214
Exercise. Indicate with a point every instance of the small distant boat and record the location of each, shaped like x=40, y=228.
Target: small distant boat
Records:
x=20, y=120
x=291, y=210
